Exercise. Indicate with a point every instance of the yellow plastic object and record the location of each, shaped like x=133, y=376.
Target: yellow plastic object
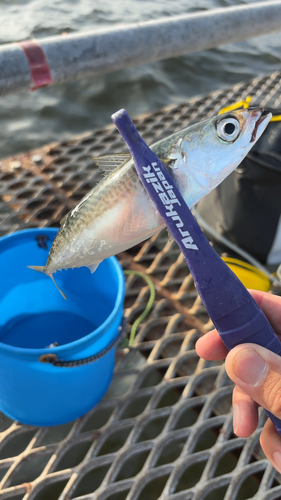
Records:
x=240, y=104
x=250, y=276
x=276, y=118
x=245, y=104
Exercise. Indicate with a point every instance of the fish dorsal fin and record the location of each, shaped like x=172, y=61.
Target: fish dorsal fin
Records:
x=109, y=163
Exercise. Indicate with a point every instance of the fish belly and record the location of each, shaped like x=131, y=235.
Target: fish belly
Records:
x=123, y=224
x=130, y=222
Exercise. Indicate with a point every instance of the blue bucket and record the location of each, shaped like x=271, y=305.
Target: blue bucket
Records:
x=34, y=315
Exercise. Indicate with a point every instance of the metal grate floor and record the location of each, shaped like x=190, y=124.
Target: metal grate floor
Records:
x=164, y=428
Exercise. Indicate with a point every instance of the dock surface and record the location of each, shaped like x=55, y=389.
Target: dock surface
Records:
x=164, y=428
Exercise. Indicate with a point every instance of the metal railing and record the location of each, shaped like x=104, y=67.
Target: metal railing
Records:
x=60, y=59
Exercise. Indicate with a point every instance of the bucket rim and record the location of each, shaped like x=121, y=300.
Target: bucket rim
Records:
x=104, y=327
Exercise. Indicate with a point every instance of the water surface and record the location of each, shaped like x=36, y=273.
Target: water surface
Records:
x=31, y=119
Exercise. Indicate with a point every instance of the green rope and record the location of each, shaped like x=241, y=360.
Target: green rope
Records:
x=149, y=305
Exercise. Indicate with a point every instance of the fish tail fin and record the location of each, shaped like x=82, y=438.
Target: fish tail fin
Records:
x=53, y=280
x=42, y=269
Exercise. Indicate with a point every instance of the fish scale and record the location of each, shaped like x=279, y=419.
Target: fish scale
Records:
x=98, y=201
x=118, y=214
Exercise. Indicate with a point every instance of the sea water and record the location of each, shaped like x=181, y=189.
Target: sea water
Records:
x=30, y=119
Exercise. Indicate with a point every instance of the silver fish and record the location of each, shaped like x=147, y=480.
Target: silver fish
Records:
x=117, y=213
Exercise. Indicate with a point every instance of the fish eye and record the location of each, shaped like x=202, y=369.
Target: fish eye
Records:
x=228, y=129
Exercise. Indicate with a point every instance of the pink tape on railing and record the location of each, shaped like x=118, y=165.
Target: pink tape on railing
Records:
x=38, y=64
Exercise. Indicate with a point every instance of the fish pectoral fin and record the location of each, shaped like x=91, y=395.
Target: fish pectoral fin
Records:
x=167, y=162
x=93, y=267
x=109, y=163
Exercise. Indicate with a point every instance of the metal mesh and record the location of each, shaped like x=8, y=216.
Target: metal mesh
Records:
x=164, y=428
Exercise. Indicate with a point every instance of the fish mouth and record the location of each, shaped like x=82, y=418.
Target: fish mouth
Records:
x=261, y=124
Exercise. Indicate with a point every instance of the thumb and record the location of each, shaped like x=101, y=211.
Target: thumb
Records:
x=257, y=371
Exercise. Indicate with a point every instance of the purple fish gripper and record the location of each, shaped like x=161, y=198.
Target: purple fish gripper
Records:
x=235, y=314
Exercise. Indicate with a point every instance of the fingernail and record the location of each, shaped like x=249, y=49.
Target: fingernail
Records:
x=250, y=367
x=236, y=418
x=277, y=459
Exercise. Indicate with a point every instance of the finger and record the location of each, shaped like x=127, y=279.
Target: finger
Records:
x=211, y=347
x=245, y=413
x=271, y=444
x=271, y=307
x=257, y=371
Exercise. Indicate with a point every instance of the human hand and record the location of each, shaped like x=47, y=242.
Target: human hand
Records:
x=256, y=371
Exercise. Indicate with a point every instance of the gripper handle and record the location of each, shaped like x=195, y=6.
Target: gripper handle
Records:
x=235, y=314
